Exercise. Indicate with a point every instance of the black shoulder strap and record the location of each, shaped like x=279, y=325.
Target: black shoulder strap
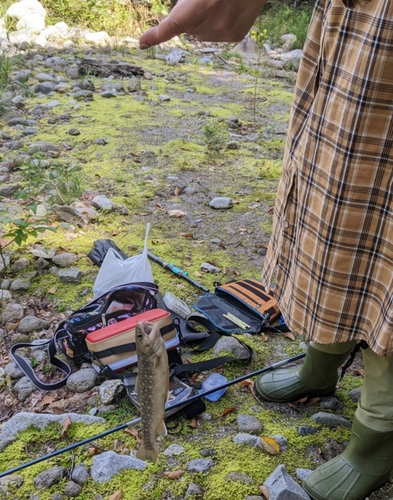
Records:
x=56, y=362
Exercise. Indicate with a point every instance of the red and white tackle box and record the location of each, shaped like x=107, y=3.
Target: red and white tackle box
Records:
x=114, y=345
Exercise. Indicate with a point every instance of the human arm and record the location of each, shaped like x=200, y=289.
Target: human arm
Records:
x=208, y=20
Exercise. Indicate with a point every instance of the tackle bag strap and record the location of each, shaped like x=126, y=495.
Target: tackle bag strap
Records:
x=56, y=362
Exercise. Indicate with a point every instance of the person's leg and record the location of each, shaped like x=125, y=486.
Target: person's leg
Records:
x=368, y=460
x=316, y=377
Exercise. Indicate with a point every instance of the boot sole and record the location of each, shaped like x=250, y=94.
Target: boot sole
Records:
x=310, y=394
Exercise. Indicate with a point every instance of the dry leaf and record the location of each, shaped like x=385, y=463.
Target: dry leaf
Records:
x=265, y=492
x=175, y=474
x=319, y=451
x=66, y=425
x=265, y=338
x=118, y=495
x=47, y=400
x=193, y=423
x=93, y=451
x=52, y=290
x=176, y=213
x=358, y=372
x=198, y=274
x=302, y=400
x=313, y=401
x=289, y=335
x=177, y=191
x=231, y=409
x=291, y=405
x=270, y=445
x=133, y=432
x=249, y=384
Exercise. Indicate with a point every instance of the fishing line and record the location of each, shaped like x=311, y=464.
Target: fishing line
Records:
x=200, y=395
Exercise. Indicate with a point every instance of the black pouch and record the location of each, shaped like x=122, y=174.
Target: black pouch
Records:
x=239, y=307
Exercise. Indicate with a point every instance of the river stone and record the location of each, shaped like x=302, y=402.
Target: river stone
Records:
x=231, y=345
x=71, y=275
x=13, y=312
x=249, y=424
x=49, y=477
x=45, y=77
x=20, y=284
x=200, y=465
x=174, y=450
x=355, y=394
x=30, y=324
x=108, y=464
x=194, y=491
x=109, y=390
x=102, y=202
x=24, y=388
x=64, y=259
x=13, y=370
x=82, y=380
x=44, y=88
x=72, y=489
x=22, y=420
x=282, y=486
x=239, y=477
x=331, y=420
x=5, y=295
x=44, y=253
x=247, y=439
x=80, y=474
x=221, y=202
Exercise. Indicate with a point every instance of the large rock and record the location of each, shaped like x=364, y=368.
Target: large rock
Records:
x=26, y=8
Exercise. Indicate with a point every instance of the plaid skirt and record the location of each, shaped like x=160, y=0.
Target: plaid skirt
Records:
x=331, y=251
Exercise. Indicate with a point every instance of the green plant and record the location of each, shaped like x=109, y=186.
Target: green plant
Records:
x=17, y=229
x=64, y=180
x=215, y=136
x=5, y=70
x=280, y=19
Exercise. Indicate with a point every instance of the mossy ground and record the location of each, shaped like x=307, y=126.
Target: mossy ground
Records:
x=154, y=150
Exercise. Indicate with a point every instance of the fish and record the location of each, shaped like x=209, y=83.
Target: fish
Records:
x=152, y=386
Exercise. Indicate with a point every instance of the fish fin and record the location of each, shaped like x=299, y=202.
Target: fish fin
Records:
x=144, y=454
x=161, y=429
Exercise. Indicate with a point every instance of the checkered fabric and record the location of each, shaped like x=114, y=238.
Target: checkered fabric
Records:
x=332, y=242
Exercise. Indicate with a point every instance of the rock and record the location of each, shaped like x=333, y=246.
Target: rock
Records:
x=200, y=465
x=71, y=275
x=107, y=94
x=8, y=191
x=80, y=474
x=72, y=489
x=330, y=403
x=288, y=41
x=22, y=420
x=108, y=464
x=221, y=203
x=306, y=430
x=5, y=295
x=109, y=390
x=100, y=141
x=331, y=420
x=13, y=370
x=133, y=85
x=247, y=439
x=25, y=8
x=11, y=480
x=99, y=38
x=24, y=388
x=82, y=380
x=231, y=345
x=164, y=98
x=44, y=253
x=49, y=477
x=44, y=88
x=102, y=203
x=303, y=474
x=64, y=259
x=239, y=477
x=331, y=449
x=30, y=324
x=282, y=441
x=13, y=312
x=209, y=268
x=249, y=50
x=282, y=486
x=194, y=491
x=42, y=147
x=70, y=214
x=249, y=424
x=174, y=450
x=20, y=284
x=355, y=394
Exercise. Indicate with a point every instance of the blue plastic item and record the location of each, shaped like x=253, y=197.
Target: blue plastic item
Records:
x=214, y=380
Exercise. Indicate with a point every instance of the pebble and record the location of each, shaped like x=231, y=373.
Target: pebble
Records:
x=221, y=203
x=200, y=465
x=249, y=424
x=71, y=275
x=30, y=324
x=108, y=464
x=331, y=420
x=82, y=380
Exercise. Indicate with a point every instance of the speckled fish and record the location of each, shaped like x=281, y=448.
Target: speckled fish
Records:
x=152, y=386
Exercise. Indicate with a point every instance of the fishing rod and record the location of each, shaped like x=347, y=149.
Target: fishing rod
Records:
x=177, y=271
x=200, y=395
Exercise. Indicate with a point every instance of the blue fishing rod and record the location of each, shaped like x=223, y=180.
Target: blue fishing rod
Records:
x=177, y=271
x=200, y=395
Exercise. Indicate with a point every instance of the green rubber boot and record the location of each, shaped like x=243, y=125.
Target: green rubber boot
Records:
x=365, y=465
x=316, y=377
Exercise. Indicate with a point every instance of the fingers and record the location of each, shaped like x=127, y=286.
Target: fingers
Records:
x=167, y=29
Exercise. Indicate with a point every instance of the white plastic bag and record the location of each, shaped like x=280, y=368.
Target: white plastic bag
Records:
x=115, y=271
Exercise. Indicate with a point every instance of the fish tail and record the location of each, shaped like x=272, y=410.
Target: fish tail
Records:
x=162, y=429
x=145, y=454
